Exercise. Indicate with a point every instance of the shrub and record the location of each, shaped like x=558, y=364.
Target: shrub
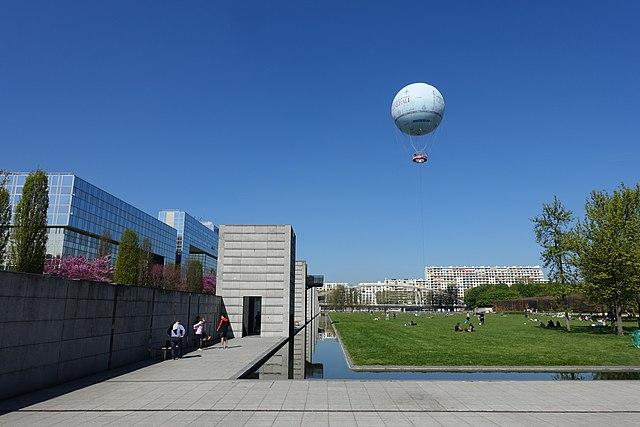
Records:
x=79, y=268
x=128, y=260
x=209, y=285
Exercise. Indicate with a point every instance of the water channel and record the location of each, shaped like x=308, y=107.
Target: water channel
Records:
x=315, y=353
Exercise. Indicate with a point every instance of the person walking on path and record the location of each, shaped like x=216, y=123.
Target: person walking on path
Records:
x=199, y=328
x=223, y=328
x=177, y=332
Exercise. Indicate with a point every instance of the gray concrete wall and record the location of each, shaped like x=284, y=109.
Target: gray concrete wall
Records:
x=258, y=260
x=277, y=367
x=56, y=330
x=300, y=298
x=299, y=355
x=311, y=331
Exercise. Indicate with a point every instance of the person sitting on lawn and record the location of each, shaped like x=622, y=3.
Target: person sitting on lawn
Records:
x=471, y=328
x=457, y=328
x=558, y=324
x=550, y=324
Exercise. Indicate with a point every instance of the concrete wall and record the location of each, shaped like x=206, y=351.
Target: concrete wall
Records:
x=56, y=330
x=258, y=260
x=300, y=298
x=311, y=331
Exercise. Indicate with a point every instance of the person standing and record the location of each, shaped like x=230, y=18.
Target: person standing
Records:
x=223, y=328
x=177, y=332
x=199, y=328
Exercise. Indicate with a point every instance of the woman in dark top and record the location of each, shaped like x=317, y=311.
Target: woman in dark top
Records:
x=223, y=328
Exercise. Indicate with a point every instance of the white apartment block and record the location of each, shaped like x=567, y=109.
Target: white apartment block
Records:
x=467, y=277
x=368, y=290
x=329, y=286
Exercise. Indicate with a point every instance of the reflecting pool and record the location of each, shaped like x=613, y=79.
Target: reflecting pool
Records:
x=315, y=353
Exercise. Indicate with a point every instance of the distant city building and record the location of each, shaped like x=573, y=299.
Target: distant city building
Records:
x=393, y=291
x=467, y=277
x=196, y=240
x=79, y=213
x=329, y=286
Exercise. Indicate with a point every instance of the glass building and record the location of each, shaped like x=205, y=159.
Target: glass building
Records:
x=79, y=213
x=196, y=240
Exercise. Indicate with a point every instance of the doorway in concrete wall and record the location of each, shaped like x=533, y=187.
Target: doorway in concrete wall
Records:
x=252, y=310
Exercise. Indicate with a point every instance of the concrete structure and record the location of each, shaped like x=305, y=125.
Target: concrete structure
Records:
x=56, y=330
x=79, y=213
x=300, y=299
x=467, y=277
x=196, y=240
x=256, y=278
x=313, y=311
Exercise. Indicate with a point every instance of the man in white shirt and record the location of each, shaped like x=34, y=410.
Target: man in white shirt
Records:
x=177, y=332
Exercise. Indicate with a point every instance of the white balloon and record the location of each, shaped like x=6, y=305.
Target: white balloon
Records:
x=417, y=109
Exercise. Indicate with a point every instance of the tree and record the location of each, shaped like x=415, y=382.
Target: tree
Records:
x=553, y=230
x=172, y=278
x=485, y=295
x=5, y=219
x=337, y=298
x=30, y=225
x=209, y=285
x=145, y=263
x=194, y=276
x=79, y=268
x=608, y=248
x=104, y=244
x=128, y=260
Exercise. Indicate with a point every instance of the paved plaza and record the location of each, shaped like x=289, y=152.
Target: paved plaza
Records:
x=212, y=363
x=126, y=401
x=200, y=390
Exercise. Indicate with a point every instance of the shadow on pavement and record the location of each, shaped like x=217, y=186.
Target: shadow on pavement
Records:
x=31, y=398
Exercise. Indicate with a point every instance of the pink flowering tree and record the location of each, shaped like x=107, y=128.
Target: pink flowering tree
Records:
x=209, y=285
x=80, y=268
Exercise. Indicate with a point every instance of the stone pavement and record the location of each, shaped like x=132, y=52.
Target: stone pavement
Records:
x=200, y=390
x=333, y=402
x=212, y=363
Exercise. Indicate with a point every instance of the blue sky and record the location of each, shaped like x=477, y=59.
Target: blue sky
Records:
x=244, y=112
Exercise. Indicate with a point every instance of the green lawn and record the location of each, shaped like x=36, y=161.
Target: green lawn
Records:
x=502, y=340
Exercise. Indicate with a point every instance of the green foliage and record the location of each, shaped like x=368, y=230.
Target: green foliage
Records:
x=128, y=261
x=608, y=248
x=5, y=220
x=342, y=297
x=529, y=290
x=194, y=276
x=485, y=295
x=30, y=225
x=395, y=297
x=336, y=298
x=145, y=263
x=509, y=340
x=553, y=230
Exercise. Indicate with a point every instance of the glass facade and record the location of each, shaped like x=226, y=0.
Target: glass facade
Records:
x=80, y=212
x=196, y=240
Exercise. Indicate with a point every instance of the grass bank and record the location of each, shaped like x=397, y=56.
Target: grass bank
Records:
x=502, y=340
